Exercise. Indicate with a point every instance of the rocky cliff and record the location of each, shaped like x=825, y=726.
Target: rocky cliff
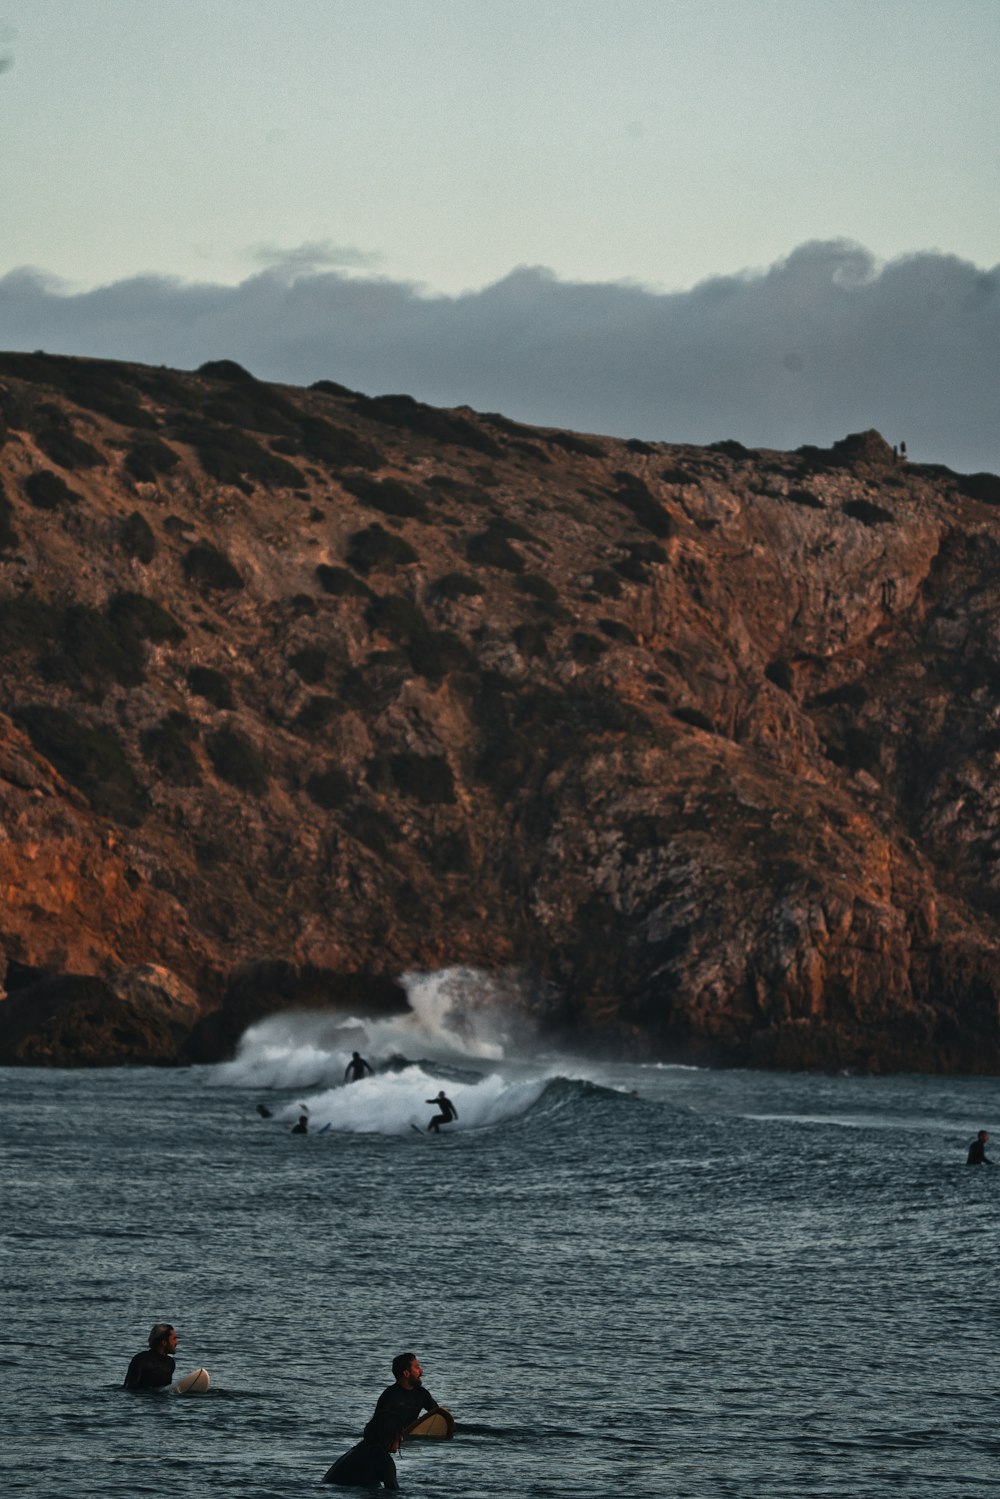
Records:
x=302, y=689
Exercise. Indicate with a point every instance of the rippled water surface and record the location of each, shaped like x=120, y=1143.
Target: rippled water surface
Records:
x=731, y=1284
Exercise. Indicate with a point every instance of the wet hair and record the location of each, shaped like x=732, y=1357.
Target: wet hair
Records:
x=401, y=1363
x=160, y=1331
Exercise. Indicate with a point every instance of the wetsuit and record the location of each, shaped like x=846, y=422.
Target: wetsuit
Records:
x=357, y=1067
x=370, y=1462
x=977, y=1154
x=149, y=1371
x=447, y=1114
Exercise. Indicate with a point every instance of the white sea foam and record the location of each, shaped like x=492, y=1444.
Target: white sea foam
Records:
x=391, y=1102
x=464, y=1033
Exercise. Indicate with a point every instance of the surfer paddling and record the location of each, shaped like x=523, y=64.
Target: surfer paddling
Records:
x=153, y=1368
x=448, y=1112
x=370, y=1462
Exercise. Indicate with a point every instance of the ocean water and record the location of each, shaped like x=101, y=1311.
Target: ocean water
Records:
x=623, y=1280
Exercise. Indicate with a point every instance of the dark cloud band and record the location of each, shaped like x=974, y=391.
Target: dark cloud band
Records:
x=822, y=343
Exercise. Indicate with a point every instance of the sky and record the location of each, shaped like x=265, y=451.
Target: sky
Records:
x=775, y=220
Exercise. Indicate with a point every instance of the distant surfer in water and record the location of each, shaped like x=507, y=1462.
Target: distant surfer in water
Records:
x=977, y=1151
x=302, y=1128
x=447, y=1114
x=154, y=1366
x=370, y=1462
x=263, y=1111
x=356, y=1068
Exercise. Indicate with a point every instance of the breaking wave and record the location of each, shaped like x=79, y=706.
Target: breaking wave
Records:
x=462, y=1034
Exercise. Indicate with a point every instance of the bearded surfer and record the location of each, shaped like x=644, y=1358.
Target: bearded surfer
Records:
x=370, y=1462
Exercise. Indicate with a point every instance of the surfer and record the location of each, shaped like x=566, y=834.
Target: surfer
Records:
x=447, y=1114
x=370, y=1462
x=153, y=1367
x=263, y=1111
x=302, y=1128
x=356, y=1068
x=977, y=1151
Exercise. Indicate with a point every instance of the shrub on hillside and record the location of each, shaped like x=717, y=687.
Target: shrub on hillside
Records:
x=167, y=747
x=982, y=487
x=92, y=760
x=375, y=549
x=586, y=648
x=605, y=582
x=145, y=618
x=208, y=568
x=490, y=548
x=60, y=443
x=572, y=442
x=454, y=586
x=391, y=496
x=644, y=507
x=532, y=639
x=230, y=455
x=237, y=761
x=615, y=630
x=867, y=513
x=330, y=788
x=341, y=583
x=8, y=536
x=47, y=491
x=207, y=683
x=316, y=713
x=148, y=457
x=91, y=650
x=310, y=663
x=137, y=539
x=336, y=447
x=426, y=778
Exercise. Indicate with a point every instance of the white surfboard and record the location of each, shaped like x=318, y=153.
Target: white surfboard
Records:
x=195, y=1383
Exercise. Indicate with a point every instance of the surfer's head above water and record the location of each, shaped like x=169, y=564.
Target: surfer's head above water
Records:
x=163, y=1333
x=406, y=1370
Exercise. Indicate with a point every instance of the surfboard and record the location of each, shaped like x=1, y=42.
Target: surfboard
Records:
x=417, y=1128
x=439, y=1424
x=195, y=1383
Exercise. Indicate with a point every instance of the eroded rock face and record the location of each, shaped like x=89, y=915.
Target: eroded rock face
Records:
x=302, y=690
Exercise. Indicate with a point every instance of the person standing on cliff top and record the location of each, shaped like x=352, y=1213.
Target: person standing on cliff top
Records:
x=977, y=1151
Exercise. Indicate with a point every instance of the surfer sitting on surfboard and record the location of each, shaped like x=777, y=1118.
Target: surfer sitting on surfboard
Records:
x=153, y=1367
x=370, y=1462
x=447, y=1114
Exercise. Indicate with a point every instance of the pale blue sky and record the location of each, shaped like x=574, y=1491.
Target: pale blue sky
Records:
x=448, y=141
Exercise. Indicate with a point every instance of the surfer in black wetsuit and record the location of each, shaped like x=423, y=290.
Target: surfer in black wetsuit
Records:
x=447, y=1114
x=153, y=1367
x=356, y=1068
x=263, y=1111
x=370, y=1462
x=977, y=1151
x=302, y=1128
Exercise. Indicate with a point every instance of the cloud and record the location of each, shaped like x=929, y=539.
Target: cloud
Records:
x=824, y=342
x=315, y=255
